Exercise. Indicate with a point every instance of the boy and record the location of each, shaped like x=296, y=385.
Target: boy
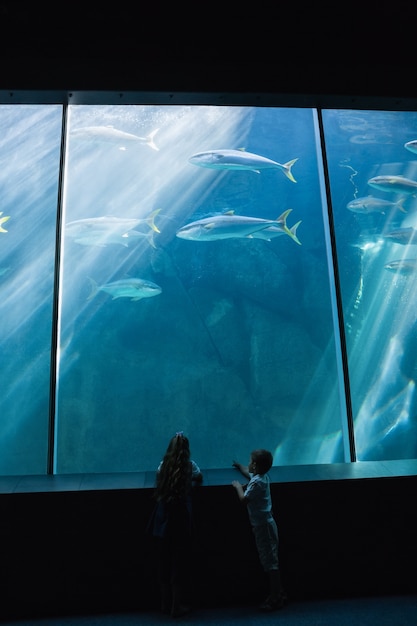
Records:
x=257, y=497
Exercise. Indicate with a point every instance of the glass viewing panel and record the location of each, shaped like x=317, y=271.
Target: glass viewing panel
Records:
x=372, y=160
x=30, y=140
x=195, y=289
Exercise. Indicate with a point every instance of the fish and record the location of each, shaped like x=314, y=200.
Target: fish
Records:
x=411, y=146
x=403, y=236
x=101, y=240
x=104, y=230
x=229, y=226
x=2, y=221
x=278, y=229
x=402, y=266
x=396, y=184
x=133, y=288
x=111, y=135
x=369, y=204
x=240, y=160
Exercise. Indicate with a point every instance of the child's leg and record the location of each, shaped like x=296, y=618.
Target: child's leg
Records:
x=277, y=596
x=275, y=585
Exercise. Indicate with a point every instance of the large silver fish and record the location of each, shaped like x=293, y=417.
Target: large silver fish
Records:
x=104, y=230
x=133, y=288
x=229, y=226
x=369, y=204
x=101, y=240
x=110, y=135
x=396, y=184
x=240, y=160
x=403, y=236
x=411, y=146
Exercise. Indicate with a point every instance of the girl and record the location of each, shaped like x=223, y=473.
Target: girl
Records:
x=172, y=522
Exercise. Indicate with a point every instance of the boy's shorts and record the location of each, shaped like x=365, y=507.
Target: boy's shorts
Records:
x=266, y=537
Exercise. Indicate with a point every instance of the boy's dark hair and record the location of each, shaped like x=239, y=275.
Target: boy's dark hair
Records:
x=263, y=460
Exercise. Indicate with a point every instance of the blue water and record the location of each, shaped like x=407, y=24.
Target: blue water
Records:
x=29, y=156
x=238, y=350
x=378, y=304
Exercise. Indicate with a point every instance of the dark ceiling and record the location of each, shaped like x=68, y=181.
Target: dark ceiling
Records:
x=351, y=48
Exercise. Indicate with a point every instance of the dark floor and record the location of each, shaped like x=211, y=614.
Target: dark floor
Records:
x=374, y=611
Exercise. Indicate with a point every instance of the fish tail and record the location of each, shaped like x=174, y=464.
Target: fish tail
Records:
x=151, y=239
x=287, y=169
x=282, y=219
x=151, y=220
x=149, y=140
x=2, y=220
x=400, y=205
x=292, y=232
x=94, y=288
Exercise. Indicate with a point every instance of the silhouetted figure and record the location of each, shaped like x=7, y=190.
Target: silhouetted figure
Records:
x=257, y=496
x=172, y=523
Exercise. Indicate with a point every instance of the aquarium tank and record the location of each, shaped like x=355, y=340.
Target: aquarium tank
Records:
x=244, y=274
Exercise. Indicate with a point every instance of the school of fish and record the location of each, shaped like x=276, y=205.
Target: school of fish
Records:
x=403, y=188
x=103, y=231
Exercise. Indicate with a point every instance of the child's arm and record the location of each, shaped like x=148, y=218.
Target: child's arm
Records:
x=243, y=469
x=240, y=491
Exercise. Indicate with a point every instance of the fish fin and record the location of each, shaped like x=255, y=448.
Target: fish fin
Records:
x=287, y=169
x=151, y=220
x=136, y=299
x=256, y=171
x=149, y=140
x=282, y=219
x=2, y=220
x=292, y=233
x=242, y=149
x=229, y=212
x=94, y=288
x=208, y=226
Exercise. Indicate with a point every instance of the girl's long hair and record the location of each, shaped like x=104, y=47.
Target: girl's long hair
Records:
x=173, y=481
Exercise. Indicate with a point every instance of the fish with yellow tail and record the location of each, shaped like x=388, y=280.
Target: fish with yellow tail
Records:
x=133, y=288
x=369, y=204
x=231, y=226
x=105, y=230
x=108, y=135
x=2, y=221
x=405, y=236
x=240, y=160
x=394, y=184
